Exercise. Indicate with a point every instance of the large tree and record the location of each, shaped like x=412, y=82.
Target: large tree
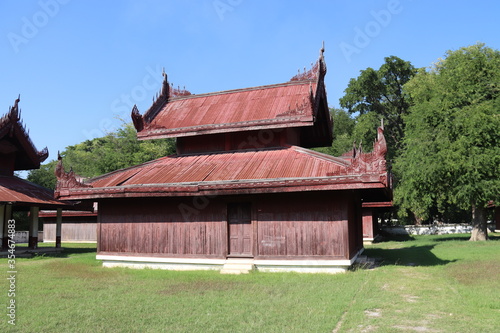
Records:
x=452, y=139
x=114, y=151
x=343, y=125
x=377, y=94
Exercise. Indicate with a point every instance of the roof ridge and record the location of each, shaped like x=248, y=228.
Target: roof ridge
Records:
x=232, y=91
x=323, y=156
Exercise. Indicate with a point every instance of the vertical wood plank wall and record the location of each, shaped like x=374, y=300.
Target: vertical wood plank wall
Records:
x=286, y=226
x=77, y=232
x=169, y=226
x=302, y=225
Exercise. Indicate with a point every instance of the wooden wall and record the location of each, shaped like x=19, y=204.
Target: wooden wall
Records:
x=238, y=141
x=355, y=226
x=71, y=232
x=367, y=223
x=302, y=225
x=168, y=227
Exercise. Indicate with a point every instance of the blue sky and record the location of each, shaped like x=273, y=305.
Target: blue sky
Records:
x=80, y=65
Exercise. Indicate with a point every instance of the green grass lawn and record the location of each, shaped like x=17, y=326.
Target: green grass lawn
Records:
x=424, y=284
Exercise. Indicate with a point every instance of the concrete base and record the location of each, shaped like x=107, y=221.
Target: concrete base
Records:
x=230, y=265
x=370, y=241
x=175, y=264
x=237, y=266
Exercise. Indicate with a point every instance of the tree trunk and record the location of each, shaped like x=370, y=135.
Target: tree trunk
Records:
x=417, y=219
x=479, y=226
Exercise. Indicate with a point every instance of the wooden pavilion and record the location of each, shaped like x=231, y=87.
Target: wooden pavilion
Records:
x=18, y=152
x=80, y=226
x=243, y=191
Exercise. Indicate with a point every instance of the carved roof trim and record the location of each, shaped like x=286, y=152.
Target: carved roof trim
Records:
x=12, y=123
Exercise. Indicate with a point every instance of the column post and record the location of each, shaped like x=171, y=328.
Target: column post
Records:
x=6, y=215
x=3, y=222
x=33, y=234
x=58, y=227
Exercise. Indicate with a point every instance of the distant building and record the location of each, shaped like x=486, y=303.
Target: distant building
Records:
x=242, y=191
x=18, y=152
x=78, y=226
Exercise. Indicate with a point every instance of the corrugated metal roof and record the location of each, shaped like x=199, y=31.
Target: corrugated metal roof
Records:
x=19, y=191
x=227, y=110
x=293, y=162
x=66, y=213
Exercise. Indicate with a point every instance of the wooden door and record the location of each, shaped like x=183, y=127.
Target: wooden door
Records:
x=239, y=221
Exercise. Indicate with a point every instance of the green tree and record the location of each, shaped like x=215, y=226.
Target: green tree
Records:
x=343, y=125
x=95, y=157
x=44, y=176
x=377, y=94
x=452, y=140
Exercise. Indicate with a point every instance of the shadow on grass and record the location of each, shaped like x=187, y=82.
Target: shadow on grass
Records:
x=50, y=252
x=387, y=237
x=406, y=256
x=464, y=237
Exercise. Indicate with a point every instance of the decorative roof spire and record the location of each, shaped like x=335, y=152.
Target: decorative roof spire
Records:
x=14, y=110
x=316, y=72
x=137, y=119
x=66, y=180
x=13, y=120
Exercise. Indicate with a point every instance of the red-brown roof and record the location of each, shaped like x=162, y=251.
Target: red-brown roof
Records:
x=253, y=171
x=66, y=213
x=280, y=105
x=17, y=191
x=296, y=103
x=382, y=204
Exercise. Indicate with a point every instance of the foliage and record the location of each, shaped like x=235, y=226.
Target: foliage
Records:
x=365, y=130
x=114, y=151
x=377, y=94
x=343, y=125
x=452, y=139
x=44, y=176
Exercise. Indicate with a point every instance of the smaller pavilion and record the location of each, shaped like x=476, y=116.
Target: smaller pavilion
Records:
x=18, y=152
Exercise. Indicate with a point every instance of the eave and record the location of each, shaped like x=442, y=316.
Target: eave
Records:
x=289, y=122
x=257, y=186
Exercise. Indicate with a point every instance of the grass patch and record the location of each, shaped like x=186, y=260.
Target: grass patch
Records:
x=425, y=284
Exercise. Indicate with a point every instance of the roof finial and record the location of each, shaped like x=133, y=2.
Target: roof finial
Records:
x=16, y=102
x=322, y=50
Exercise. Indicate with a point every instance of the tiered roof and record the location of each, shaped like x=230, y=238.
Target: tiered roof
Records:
x=252, y=171
x=299, y=103
x=18, y=152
